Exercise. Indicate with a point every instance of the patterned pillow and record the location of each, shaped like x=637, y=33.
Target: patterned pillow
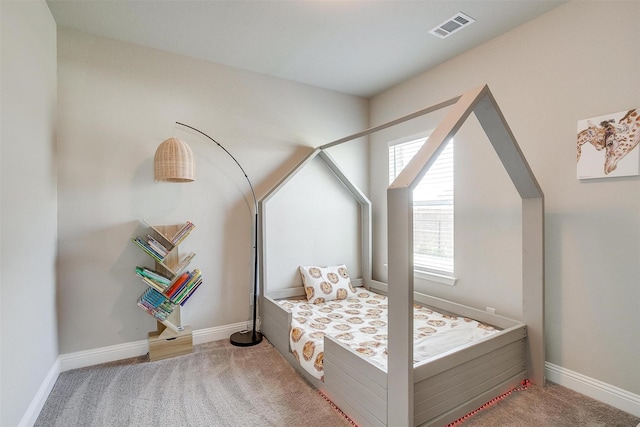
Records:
x=326, y=283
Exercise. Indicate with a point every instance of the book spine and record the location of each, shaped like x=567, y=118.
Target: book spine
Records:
x=191, y=293
x=183, y=278
x=153, y=284
x=158, y=314
x=186, y=290
x=153, y=275
x=180, y=288
x=157, y=246
x=196, y=279
x=153, y=297
x=145, y=247
x=156, y=304
x=182, y=233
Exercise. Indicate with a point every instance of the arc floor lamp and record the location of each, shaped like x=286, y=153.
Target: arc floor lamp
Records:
x=173, y=162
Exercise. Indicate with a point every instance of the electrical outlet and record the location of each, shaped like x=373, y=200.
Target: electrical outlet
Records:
x=491, y=310
x=250, y=299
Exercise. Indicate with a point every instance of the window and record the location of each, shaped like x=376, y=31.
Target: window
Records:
x=432, y=208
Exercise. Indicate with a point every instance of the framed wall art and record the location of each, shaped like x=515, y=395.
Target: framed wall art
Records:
x=607, y=146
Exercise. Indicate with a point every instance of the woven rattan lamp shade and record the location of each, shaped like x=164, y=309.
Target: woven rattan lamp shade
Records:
x=173, y=162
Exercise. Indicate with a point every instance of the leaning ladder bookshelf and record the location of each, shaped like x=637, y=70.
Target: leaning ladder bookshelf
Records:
x=169, y=286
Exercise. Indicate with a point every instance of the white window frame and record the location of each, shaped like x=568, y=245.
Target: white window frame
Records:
x=437, y=272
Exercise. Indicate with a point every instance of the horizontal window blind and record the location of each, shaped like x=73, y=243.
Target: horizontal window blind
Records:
x=432, y=206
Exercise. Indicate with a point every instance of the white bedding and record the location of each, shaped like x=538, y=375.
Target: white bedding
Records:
x=360, y=322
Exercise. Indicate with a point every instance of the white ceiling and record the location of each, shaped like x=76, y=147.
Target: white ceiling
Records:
x=360, y=47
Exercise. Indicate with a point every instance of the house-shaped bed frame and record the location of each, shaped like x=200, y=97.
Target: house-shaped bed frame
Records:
x=457, y=382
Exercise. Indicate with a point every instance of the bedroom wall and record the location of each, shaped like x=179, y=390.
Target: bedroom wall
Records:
x=295, y=236
x=487, y=216
x=28, y=332
x=577, y=61
x=117, y=103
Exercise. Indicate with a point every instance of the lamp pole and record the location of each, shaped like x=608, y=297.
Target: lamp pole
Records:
x=253, y=337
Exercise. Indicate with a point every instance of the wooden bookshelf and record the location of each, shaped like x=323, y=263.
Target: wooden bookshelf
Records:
x=170, y=285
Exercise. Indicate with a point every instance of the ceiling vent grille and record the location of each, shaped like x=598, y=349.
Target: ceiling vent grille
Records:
x=451, y=25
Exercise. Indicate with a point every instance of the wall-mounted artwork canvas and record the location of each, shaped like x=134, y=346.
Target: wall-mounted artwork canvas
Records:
x=608, y=145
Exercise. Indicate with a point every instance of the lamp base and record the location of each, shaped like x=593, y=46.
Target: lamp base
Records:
x=246, y=338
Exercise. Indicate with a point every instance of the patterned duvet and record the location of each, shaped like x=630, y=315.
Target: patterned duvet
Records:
x=360, y=322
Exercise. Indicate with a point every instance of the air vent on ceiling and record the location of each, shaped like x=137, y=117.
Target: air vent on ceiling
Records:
x=451, y=25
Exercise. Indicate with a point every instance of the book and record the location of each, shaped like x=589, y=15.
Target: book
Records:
x=182, y=233
x=153, y=275
x=153, y=297
x=179, y=282
x=158, y=313
x=194, y=282
x=157, y=246
x=153, y=284
x=181, y=288
x=191, y=293
x=156, y=304
x=145, y=247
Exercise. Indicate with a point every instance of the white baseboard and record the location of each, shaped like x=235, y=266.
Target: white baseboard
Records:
x=611, y=395
x=81, y=359
x=31, y=415
x=96, y=356
x=217, y=333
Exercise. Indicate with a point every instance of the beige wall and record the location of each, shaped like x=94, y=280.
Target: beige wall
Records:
x=117, y=103
x=28, y=333
x=312, y=220
x=546, y=75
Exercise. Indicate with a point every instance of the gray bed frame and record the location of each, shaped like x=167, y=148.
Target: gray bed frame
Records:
x=447, y=387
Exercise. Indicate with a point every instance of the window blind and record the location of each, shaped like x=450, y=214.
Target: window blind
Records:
x=432, y=206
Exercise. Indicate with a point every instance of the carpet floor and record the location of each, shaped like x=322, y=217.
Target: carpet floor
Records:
x=222, y=385
x=217, y=385
x=550, y=406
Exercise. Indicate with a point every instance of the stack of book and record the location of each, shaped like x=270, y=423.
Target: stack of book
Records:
x=184, y=287
x=156, y=304
x=182, y=233
x=166, y=294
x=151, y=246
x=154, y=279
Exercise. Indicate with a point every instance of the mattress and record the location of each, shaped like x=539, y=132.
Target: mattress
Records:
x=360, y=322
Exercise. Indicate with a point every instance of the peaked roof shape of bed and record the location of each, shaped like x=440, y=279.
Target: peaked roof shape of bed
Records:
x=481, y=102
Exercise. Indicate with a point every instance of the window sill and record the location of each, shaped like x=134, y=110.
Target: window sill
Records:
x=431, y=276
x=435, y=277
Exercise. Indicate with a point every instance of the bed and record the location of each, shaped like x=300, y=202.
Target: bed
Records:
x=359, y=322
x=446, y=383
x=440, y=388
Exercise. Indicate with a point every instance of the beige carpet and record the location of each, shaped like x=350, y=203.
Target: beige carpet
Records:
x=550, y=406
x=223, y=385
x=217, y=385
